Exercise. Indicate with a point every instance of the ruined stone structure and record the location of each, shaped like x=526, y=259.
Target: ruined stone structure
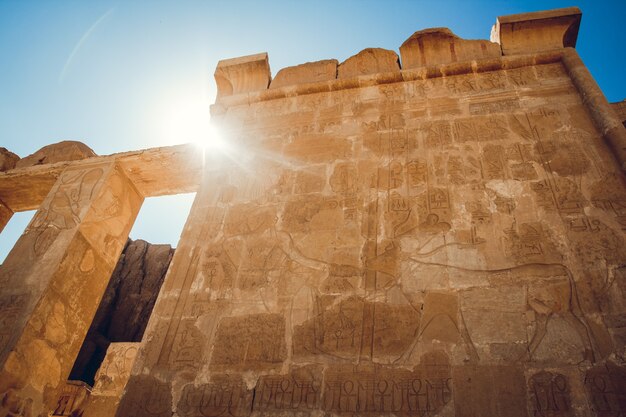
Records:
x=443, y=237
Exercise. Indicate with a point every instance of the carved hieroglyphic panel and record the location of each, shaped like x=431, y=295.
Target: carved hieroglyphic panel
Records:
x=115, y=370
x=374, y=390
x=249, y=342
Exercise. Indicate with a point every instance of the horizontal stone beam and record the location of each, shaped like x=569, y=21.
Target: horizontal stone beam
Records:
x=153, y=172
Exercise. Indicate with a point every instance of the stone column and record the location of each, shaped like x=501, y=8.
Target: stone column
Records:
x=5, y=215
x=603, y=115
x=52, y=281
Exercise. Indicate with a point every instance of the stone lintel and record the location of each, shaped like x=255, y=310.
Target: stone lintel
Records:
x=154, y=172
x=242, y=75
x=537, y=31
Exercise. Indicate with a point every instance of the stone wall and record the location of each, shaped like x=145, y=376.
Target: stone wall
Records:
x=443, y=239
x=436, y=235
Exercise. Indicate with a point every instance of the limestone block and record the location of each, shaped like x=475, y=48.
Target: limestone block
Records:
x=7, y=159
x=537, y=31
x=441, y=46
x=115, y=369
x=369, y=61
x=67, y=150
x=310, y=72
x=242, y=75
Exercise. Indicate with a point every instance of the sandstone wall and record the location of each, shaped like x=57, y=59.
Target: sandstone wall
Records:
x=441, y=235
x=447, y=240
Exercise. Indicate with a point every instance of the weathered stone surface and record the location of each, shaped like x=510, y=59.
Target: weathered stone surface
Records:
x=7, y=159
x=620, y=109
x=441, y=46
x=445, y=240
x=67, y=150
x=242, y=75
x=369, y=61
x=310, y=72
x=537, y=31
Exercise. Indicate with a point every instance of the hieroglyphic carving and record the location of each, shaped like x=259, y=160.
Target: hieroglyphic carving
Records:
x=377, y=390
x=356, y=328
x=299, y=390
x=72, y=399
x=115, y=370
x=549, y=395
x=605, y=390
x=250, y=342
x=225, y=395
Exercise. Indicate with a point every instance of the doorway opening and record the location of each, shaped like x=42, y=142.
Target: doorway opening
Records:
x=131, y=294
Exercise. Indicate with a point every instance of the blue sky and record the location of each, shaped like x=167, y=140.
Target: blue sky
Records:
x=125, y=75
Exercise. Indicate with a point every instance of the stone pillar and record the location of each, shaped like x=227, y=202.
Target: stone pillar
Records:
x=604, y=116
x=52, y=281
x=5, y=215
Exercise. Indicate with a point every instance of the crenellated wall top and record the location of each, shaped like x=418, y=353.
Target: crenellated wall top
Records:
x=520, y=34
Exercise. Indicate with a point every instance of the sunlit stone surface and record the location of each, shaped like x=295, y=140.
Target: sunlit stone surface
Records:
x=442, y=236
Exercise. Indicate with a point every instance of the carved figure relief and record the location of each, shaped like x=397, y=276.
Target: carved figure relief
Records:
x=73, y=190
x=549, y=395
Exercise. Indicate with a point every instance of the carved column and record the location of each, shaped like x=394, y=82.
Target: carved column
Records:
x=5, y=215
x=53, y=280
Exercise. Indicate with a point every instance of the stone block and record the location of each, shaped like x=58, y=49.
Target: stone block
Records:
x=440, y=46
x=369, y=61
x=7, y=159
x=310, y=72
x=526, y=33
x=67, y=150
x=242, y=75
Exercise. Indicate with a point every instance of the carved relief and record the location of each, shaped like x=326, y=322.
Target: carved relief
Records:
x=115, y=369
x=377, y=390
x=353, y=328
x=13, y=406
x=72, y=399
x=299, y=390
x=256, y=341
x=69, y=198
x=605, y=390
x=224, y=395
x=549, y=395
